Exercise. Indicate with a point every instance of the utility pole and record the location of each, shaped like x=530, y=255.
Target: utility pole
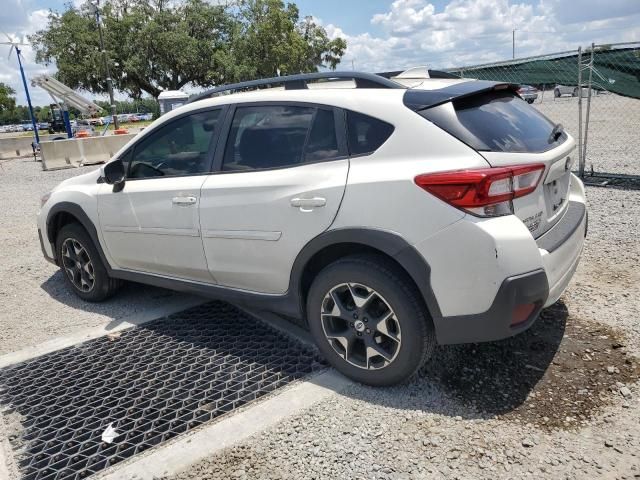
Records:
x=26, y=91
x=513, y=43
x=114, y=116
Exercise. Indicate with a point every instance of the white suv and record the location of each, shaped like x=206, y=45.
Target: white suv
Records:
x=388, y=219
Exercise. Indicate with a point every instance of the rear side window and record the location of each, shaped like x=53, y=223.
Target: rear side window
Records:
x=366, y=134
x=275, y=136
x=496, y=122
x=322, y=143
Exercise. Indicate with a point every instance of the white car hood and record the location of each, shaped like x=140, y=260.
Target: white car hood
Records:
x=84, y=179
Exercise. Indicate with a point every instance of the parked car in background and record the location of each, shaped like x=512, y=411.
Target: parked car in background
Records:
x=387, y=219
x=43, y=126
x=27, y=127
x=561, y=90
x=528, y=93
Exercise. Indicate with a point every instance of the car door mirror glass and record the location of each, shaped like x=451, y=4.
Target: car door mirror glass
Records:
x=114, y=172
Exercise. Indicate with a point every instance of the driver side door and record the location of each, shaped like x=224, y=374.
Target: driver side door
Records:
x=152, y=225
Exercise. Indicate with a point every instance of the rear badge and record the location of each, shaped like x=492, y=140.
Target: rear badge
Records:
x=533, y=222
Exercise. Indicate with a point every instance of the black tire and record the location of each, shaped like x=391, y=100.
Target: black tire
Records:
x=575, y=92
x=530, y=101
x=102, y=286
x=396, y=291
x=556, y=93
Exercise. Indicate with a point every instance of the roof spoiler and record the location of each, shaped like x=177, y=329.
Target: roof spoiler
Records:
x=417, y=73
x=417, y=99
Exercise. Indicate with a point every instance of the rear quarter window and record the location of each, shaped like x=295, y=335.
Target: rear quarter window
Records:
x=496, y=122
x=366, y=134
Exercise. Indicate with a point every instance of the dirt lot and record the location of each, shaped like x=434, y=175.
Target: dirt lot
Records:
x=560, y=401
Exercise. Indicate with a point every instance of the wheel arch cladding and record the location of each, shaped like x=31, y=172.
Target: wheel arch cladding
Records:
x=64, y=213
x=335, y=244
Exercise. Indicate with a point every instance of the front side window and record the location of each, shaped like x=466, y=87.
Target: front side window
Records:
x=275, y=136
x=181, y=147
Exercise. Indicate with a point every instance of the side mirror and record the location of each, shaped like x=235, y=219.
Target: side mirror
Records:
x=114, y=172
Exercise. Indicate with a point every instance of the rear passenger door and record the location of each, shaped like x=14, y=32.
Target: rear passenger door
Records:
x=279, y=182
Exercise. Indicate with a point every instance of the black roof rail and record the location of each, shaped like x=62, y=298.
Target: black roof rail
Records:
x=298, y=82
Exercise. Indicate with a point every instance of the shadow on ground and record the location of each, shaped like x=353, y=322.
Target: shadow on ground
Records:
x=131, y=296
x=558, y=374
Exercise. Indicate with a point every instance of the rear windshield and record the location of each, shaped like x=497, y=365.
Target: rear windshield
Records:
x=496, y=122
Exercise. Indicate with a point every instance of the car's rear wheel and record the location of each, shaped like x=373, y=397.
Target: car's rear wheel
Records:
x=81, y=265
x=556, y=93
x=369, y=321
x=530, y=101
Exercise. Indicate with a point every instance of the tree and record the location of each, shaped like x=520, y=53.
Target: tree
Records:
x=270, y=38
x=152, y=46
x=7, y=102
x=156, y=45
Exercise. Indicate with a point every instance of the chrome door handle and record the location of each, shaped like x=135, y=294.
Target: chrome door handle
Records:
x=184, y=201
x=308, y=204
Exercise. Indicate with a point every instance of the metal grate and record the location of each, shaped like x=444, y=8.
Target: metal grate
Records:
x=151, y=383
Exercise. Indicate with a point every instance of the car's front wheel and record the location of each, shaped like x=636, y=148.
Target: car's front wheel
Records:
x=369, y=321
x=81, y=265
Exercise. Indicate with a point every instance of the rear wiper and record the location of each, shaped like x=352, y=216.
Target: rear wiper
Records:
x=556, y=132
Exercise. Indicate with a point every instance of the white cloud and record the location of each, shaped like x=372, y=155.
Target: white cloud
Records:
x=469, y=32
x=26, y=23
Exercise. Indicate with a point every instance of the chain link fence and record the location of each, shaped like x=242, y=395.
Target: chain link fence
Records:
x=594, y=93
x=611, y=76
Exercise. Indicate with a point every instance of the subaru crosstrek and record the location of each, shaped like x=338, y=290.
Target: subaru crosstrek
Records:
x=387, y=219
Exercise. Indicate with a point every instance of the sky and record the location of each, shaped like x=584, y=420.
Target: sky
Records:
x=385, y=35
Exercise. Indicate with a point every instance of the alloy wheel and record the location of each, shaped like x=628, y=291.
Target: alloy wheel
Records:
x=77, y=265
x=360, y=326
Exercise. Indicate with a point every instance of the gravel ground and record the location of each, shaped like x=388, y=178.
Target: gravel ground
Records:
x=613, y=129
x=560, y=401
x=35, y=305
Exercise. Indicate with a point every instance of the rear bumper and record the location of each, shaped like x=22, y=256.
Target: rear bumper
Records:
x=495, y=323
x=561, y=248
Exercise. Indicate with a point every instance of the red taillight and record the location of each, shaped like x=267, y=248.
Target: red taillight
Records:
x=485, y=191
